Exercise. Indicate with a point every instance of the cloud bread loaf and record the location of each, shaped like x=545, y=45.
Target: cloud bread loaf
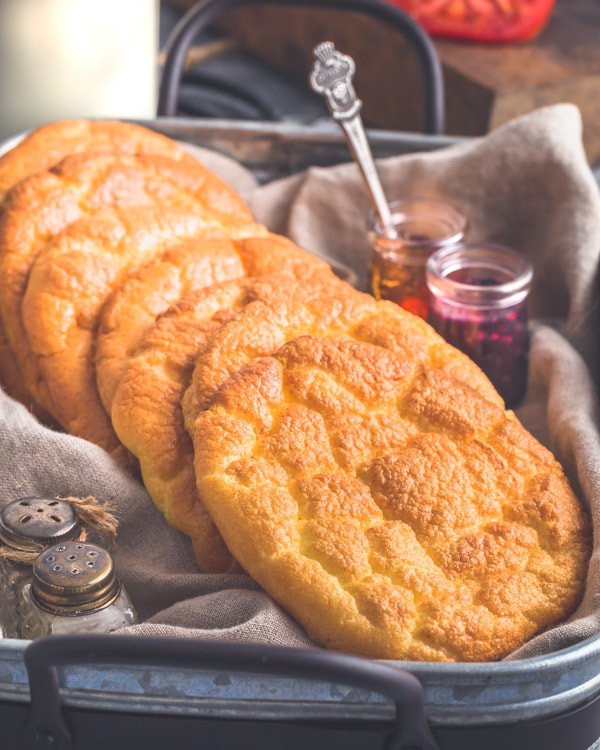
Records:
x=146, y=410
x=41, y=149
x=42, y=205
x=49, y=144
x=261, y=329
x=71, y=278
x=390, y=508
x=133, y=307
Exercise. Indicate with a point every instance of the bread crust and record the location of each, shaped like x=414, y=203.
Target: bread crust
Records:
x=146, y=410
x=132, y=309
x=44, y=204
x=260, y=330
x=49, y=144
x=70, y=280
x=40, y=150
x=388, y=507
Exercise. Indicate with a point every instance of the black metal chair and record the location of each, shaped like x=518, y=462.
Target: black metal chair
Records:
x=201, y=15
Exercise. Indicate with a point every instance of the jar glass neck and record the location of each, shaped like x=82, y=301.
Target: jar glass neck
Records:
x=479, y=276
x=419, y=223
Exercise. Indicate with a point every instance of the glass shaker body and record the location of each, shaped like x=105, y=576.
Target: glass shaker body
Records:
x=479, y=305
x=26, y=526
x=74, y=589
x=397, y=270
x=12, y=576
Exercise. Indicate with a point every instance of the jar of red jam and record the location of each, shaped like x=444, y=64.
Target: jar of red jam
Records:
x=397, y=270
x=479, y=304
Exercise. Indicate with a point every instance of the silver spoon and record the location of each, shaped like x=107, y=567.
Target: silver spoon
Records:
x=332, y=76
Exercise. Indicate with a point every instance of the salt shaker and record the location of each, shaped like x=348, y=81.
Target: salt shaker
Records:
x=74, y=589
x=397, y=269
x=479, y=304
x=27, y=525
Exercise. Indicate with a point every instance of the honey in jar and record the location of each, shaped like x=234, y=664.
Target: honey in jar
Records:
x=397, y=269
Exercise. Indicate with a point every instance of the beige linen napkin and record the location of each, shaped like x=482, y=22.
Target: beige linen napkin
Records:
x=526, y=185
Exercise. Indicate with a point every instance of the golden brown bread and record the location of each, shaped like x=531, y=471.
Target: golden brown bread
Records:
x=42, y=205
x=148, y=421
x=146, y=411
x=133, y=307
x=40, y=150
x=391, y=509
x=49, y=144
x=260, y=330
x=70, y=280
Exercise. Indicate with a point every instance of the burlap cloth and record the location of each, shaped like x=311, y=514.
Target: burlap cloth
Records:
x=526, y=185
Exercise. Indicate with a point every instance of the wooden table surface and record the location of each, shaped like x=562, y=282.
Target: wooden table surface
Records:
x=562, y=64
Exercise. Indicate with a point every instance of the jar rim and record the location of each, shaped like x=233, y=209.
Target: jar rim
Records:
x=515, y=270
x=411, y=208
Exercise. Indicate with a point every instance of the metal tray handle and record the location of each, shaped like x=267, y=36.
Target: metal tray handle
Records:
x=201, y=14
x=47, y=727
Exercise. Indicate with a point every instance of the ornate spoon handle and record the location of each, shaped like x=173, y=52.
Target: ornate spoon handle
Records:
x=332, y=76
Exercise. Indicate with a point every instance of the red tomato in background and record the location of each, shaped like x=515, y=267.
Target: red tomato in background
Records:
x=480, y=20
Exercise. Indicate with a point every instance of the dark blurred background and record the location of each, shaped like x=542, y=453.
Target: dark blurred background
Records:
x=255, y=61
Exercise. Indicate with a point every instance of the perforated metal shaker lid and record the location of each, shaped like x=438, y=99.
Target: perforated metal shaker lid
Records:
x=27, y=522
x=74, y=577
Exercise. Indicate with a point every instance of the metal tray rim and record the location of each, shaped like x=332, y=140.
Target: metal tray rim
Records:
x=455, y=694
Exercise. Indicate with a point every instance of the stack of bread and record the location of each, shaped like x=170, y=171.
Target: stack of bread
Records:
x=337, y=449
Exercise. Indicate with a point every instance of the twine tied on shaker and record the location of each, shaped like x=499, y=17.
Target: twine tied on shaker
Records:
x=96, y=522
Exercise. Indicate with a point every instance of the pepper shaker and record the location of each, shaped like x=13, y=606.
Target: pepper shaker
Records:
x=27, y=525
x=74, y=589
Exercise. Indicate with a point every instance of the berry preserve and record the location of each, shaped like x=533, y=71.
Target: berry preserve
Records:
x=478, y=303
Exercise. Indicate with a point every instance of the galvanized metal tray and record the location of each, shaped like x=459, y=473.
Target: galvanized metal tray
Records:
x=551, y=696
x=278, y=149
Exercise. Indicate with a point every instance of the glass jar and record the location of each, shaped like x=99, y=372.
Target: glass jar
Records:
x=74, y=589
x=27, y=525
x=397, y=270
x=479, y=304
